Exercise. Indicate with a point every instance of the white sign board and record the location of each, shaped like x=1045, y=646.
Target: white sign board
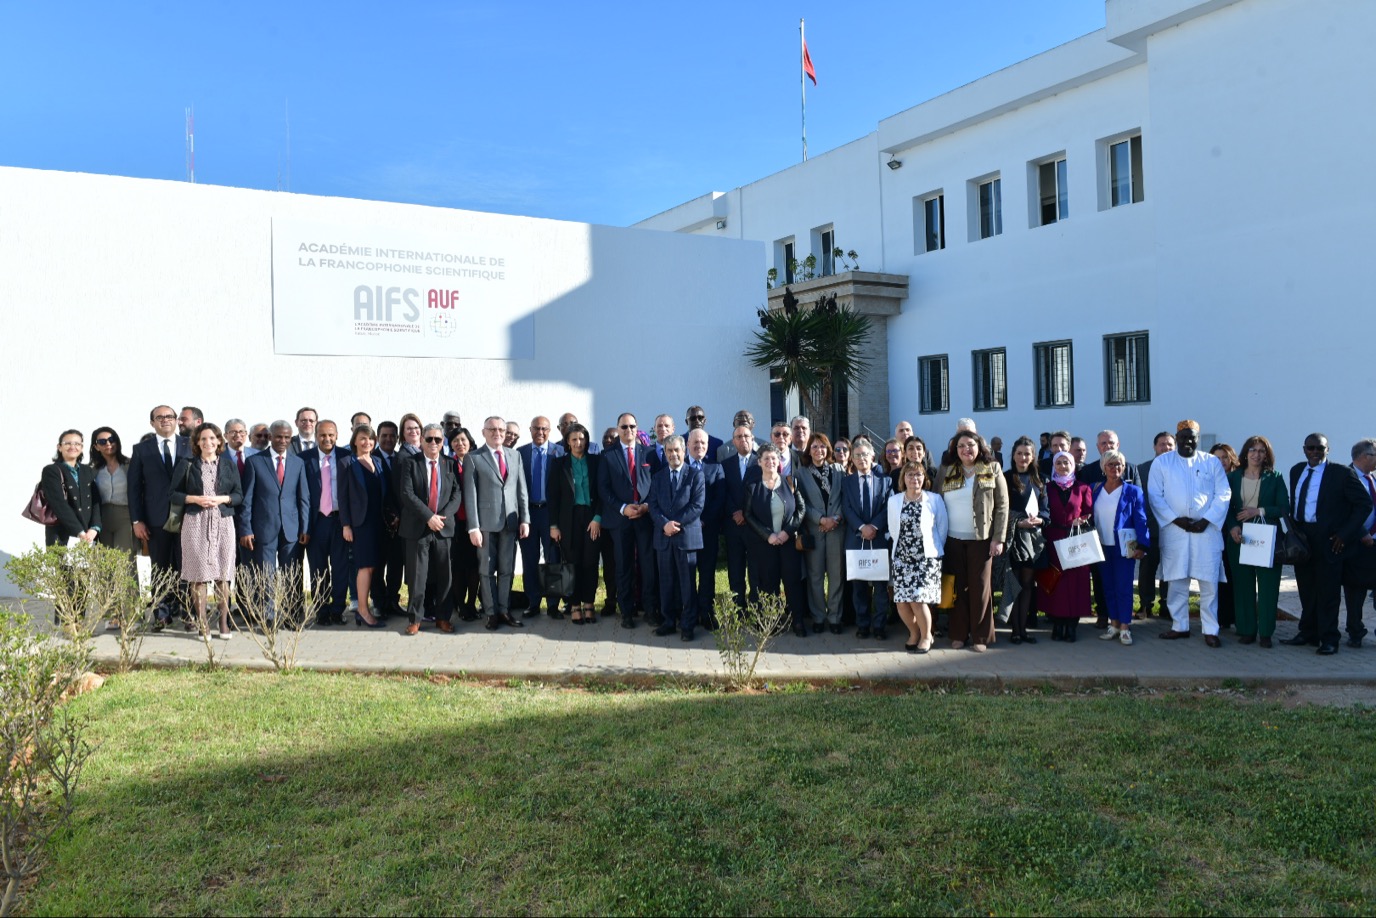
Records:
x=385, y=292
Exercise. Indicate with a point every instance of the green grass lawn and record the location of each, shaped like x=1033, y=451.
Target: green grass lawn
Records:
x=251, y=793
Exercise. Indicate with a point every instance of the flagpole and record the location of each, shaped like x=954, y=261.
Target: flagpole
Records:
x=802, y=80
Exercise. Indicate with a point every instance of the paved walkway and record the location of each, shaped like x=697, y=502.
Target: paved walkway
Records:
x=562, y=650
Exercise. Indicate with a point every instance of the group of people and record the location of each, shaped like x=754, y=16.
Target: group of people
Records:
x=834, y=528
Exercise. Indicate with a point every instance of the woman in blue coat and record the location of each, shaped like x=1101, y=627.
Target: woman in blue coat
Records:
x=1119, y=505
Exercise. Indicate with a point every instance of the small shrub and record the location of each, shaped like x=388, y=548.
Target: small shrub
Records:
x=744, y=634
x=275, y=610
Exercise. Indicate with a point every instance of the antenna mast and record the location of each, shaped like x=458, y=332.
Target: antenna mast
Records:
x=191, y=145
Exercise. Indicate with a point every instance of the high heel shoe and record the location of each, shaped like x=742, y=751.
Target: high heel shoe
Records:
x=375, y=623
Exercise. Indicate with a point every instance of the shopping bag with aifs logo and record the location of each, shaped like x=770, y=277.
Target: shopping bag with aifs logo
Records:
x=867, y=564
x=1079, y=549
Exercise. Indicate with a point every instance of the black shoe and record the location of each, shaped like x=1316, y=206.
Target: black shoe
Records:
x=1327, y=650
x=708, y=624
x=1057, y=631
x=1247, y=639
x=1264, y=642
x=1070, y=633
x=556, y=614
x=686, y=635
x=665, y=629
x=323, y=622
x=1028, y=639
x=818, y=627
x=511, y=621
x=1298, y=640
x=627, y=621
x=493, y=623
x=880, y=634
x=862, y=633
x=910, y=648
x=654, y=618
x=1354, y=642
x=1015, y=639
x=837, y=629
x=1101, y=622
x=532, y=612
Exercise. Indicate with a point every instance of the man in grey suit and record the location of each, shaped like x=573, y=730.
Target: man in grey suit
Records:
x=498, y=510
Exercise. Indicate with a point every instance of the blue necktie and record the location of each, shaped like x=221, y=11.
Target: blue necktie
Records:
x=538, y=476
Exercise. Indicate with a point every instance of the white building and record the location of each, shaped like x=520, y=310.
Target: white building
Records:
x=1161, y=219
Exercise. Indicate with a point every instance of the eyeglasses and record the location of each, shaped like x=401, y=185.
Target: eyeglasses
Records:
x=628, y=427
x=840, y=449
x=434, y=439
x=1314, y=448
x=697, y=417
x=105, y=441
x=1261, y=449
x=164, y=417
x=69, y=445
x=894, y=451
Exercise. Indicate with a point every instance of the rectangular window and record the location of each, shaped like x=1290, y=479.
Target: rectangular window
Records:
x=1127, y=369
x=990, y=208
x=790, y=261
x=1051, y=189
x=778, y=399
x=929, y=223
x=1125, y=171
x=933, y=383
x=1055, y=374
x=828, y=247
x=990, y=378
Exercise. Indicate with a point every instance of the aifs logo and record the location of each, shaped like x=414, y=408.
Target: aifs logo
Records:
x=402, y=304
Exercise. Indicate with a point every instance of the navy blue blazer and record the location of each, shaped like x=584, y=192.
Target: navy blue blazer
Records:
x=880, y=489
x=685, y=508
x=1131, y=514
x=552, y=451
x=269, y=511
x=353, y=490
x=614, y=482
x=311, y=458
x=714, y=510
x=150, y=484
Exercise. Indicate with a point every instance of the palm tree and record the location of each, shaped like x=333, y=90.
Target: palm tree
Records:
x=815, y=351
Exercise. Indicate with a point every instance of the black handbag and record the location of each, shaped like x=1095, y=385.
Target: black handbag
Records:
x=557, y=578
x=1293, y=546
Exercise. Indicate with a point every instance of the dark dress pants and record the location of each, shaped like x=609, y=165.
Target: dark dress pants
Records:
x=387, y=582
x=678, y=587
x=737, y=560
x=633, y=543
x=428, y=576
x=706, y=575
x=1320, y=587
x=531, y=547
x=165, y=551
x=773, y=567
x=329, y=558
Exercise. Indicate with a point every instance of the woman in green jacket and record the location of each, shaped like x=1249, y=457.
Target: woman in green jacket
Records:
x=1259, y=495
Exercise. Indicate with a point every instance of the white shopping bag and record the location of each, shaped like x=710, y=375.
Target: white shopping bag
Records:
x=1078, y=550
x=1258, y=548
x=143, y=567
x=867, y=564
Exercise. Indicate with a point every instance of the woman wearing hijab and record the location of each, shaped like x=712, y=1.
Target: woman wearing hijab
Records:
x=1071, y=504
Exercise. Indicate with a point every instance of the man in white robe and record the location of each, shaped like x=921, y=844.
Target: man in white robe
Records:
x=1189, y=493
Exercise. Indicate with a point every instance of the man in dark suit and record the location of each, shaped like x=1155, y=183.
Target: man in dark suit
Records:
x=326, y=549
x=1359, y=571
x=536, y=458
x=736, y=471
x=996, y=447
x=429, y=499
x=1092, y=473
x=271, y=522
x=713, y=516
x=695, y=418
x=624, y=486
x=1147, y=586
x=150, y=497
x=305, y=425
x=677, y=498
x=1330, y=505
x=497, y=505
x=864, y=499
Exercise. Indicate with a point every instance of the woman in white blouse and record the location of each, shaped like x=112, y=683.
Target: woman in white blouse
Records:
x=917, y=526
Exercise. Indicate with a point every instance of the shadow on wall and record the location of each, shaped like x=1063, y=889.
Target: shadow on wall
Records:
x=643, y=334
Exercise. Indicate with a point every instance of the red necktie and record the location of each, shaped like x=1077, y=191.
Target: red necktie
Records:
x=281, y=472
x=239, y=459
x=501, y=463
x=434, y=487
x=630, y=463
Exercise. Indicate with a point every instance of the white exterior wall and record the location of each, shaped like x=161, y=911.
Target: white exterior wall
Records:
x=121, y=294
x=1242, y=262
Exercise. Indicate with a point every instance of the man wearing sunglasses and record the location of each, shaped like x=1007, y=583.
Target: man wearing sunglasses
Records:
x=429, y=498
x=497, y=506
x=624, y=477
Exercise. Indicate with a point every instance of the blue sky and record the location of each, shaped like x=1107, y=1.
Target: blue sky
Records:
x=603, y=112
